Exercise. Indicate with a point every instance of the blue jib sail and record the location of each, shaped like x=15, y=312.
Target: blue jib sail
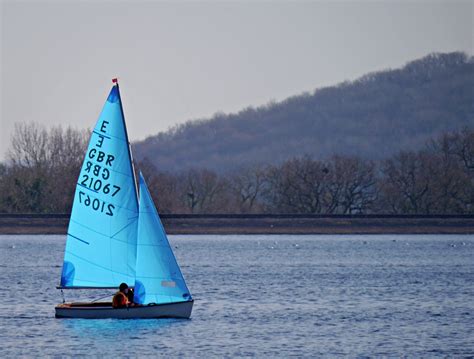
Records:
x=158, y=278
x=102, y=234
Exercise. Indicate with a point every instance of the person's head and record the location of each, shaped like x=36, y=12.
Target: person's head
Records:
x=123, y=288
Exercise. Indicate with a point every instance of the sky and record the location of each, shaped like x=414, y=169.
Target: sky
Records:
x=177, y=61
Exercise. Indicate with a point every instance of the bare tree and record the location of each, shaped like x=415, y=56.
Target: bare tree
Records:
x=42, y=169
x=164, y=187
x=29, y=145
x=464, y=147
x=297, y=186
x=449, y=167
x=203, y=191
x=351, y=185
x=247, y=185
x=406, y=184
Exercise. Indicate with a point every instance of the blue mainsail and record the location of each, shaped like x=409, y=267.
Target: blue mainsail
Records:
x=158, y=277
x=102, y=234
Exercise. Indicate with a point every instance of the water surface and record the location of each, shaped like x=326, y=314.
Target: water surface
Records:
x=262, y=296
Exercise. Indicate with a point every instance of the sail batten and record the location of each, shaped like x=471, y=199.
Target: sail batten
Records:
x=112, y=236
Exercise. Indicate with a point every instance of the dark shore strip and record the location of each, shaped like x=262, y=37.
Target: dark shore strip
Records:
x=264, y=224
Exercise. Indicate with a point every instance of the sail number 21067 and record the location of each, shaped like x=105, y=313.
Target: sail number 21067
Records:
x=96, y=204
x=96, y=185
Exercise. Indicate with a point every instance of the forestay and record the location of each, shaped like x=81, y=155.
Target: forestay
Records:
x=102, y=234
x=158, y=277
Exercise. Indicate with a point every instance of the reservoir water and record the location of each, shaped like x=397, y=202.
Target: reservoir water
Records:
x=263, y=296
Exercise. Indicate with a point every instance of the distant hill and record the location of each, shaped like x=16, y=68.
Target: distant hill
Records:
x=371, y=117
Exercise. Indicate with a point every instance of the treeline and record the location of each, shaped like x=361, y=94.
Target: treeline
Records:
x=41, y=170
x=43, y=166
x=372, y=117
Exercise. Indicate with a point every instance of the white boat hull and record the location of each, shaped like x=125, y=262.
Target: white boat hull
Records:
x=105, y=310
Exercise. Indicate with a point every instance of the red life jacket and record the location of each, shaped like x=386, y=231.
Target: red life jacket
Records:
x=119, y=300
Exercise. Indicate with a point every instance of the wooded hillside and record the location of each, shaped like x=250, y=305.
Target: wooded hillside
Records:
x=394, y=142
x=373, y=118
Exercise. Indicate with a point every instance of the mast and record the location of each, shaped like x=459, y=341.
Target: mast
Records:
x=115, y=82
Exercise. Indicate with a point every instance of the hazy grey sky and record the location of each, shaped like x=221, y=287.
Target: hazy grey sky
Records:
x=185, y=60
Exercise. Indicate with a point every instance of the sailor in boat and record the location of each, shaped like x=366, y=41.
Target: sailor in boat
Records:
x=130, y=296
x=123, y=298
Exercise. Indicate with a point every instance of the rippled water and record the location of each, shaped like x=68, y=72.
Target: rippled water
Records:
x=262, y=296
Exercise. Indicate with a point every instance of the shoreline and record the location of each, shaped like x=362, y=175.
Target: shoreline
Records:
x=264, y=224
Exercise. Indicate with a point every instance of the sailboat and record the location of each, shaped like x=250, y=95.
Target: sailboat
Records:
x=115, y=234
